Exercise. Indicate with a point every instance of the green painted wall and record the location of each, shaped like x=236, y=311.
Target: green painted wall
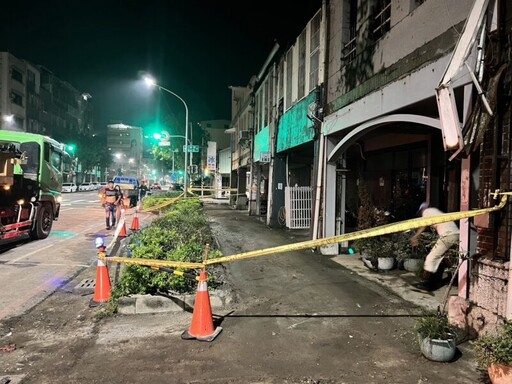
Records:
x=261, y=143
x=294, y=127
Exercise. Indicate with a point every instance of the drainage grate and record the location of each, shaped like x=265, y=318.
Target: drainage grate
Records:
x=86, y=284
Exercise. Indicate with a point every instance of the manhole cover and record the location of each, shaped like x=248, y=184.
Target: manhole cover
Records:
x=62, y=234
x=86, y=284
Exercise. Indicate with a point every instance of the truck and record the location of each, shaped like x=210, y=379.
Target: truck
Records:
x=31, y=175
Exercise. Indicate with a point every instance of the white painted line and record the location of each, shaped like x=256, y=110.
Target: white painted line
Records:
x=43, y=264
x=30, y=253
x=52, y=245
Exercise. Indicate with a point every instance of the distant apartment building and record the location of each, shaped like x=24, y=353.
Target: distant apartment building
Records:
x=124, y=145
x=33, y=99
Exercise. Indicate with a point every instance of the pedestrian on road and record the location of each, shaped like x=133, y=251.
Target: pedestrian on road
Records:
x=112, y=197
x=143, y=190
x=120, y=205
x=435, y=262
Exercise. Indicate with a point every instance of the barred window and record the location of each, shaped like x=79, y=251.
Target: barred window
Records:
x=381, y=21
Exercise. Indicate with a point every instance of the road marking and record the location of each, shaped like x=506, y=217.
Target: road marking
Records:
x=52, y=264
x=51, y=245
x=30, y=253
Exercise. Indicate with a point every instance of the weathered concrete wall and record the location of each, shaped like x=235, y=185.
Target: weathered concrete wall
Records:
x=400, y=48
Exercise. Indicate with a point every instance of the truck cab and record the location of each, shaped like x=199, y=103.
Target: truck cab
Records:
x=30, y=184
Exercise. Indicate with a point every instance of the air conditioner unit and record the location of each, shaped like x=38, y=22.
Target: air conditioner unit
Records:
x=243, y=135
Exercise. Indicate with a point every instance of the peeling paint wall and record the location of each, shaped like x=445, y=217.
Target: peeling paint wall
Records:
x=295, y=128
x=261, y=143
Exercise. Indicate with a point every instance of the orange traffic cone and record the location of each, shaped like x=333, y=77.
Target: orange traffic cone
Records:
x=123, y=229
x=135, y=222
x=202, y=319
x=102, y=288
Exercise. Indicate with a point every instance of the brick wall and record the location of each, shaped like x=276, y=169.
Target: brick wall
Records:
x=489, y=275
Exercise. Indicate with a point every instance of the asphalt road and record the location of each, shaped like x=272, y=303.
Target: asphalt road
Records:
x=297, y=317
x=32, y=270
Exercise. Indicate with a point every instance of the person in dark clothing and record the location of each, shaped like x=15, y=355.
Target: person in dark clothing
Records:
x=112, y=199
x=143, y=190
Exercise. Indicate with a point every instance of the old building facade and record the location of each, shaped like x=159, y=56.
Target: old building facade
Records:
x=398, y=103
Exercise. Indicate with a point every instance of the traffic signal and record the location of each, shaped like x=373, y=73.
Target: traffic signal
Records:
x=71, y=147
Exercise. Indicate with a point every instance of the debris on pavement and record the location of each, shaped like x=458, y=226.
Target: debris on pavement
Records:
x=8, y=348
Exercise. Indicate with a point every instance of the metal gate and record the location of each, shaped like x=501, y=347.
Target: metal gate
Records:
x=297, y=201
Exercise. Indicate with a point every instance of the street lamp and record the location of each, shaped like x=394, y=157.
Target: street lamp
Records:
x=152, y=83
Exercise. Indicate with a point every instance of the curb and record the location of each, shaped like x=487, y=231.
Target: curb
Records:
x=143, y=304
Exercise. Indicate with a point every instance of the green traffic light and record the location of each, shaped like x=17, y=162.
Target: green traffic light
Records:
x=157, y=136
x=71, y=147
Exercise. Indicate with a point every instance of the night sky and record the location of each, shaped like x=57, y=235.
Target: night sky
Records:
x=194, y=48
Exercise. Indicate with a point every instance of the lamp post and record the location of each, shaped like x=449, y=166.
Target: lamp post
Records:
x=151, y=82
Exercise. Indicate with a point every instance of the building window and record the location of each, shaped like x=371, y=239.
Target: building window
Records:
x=381, y=20
x=16, y=75
x=289, y=77
x=270, y=96
x=265, y=103
x=349, y=50
x=314, y=56
x=302, y=65
x=17, y=99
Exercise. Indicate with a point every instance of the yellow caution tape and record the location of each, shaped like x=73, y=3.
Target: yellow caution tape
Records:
x=157, y=207
x=152, y=262
x=365, y=233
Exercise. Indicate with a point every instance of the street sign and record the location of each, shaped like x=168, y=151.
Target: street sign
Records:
x=164, y=144
x=191, y=148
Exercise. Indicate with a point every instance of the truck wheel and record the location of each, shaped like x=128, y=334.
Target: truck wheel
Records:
x=43, y=224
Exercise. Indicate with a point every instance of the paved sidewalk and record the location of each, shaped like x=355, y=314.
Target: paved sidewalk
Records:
x=398, y=281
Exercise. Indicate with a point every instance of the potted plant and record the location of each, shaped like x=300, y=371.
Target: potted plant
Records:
x=372, y=248
x=369, y=249
x=386, y=254
x=376, y=252
x=436, y=337
x=410, y=257
x=493, y=352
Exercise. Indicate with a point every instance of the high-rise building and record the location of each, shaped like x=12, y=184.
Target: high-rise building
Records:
x=124, y=143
